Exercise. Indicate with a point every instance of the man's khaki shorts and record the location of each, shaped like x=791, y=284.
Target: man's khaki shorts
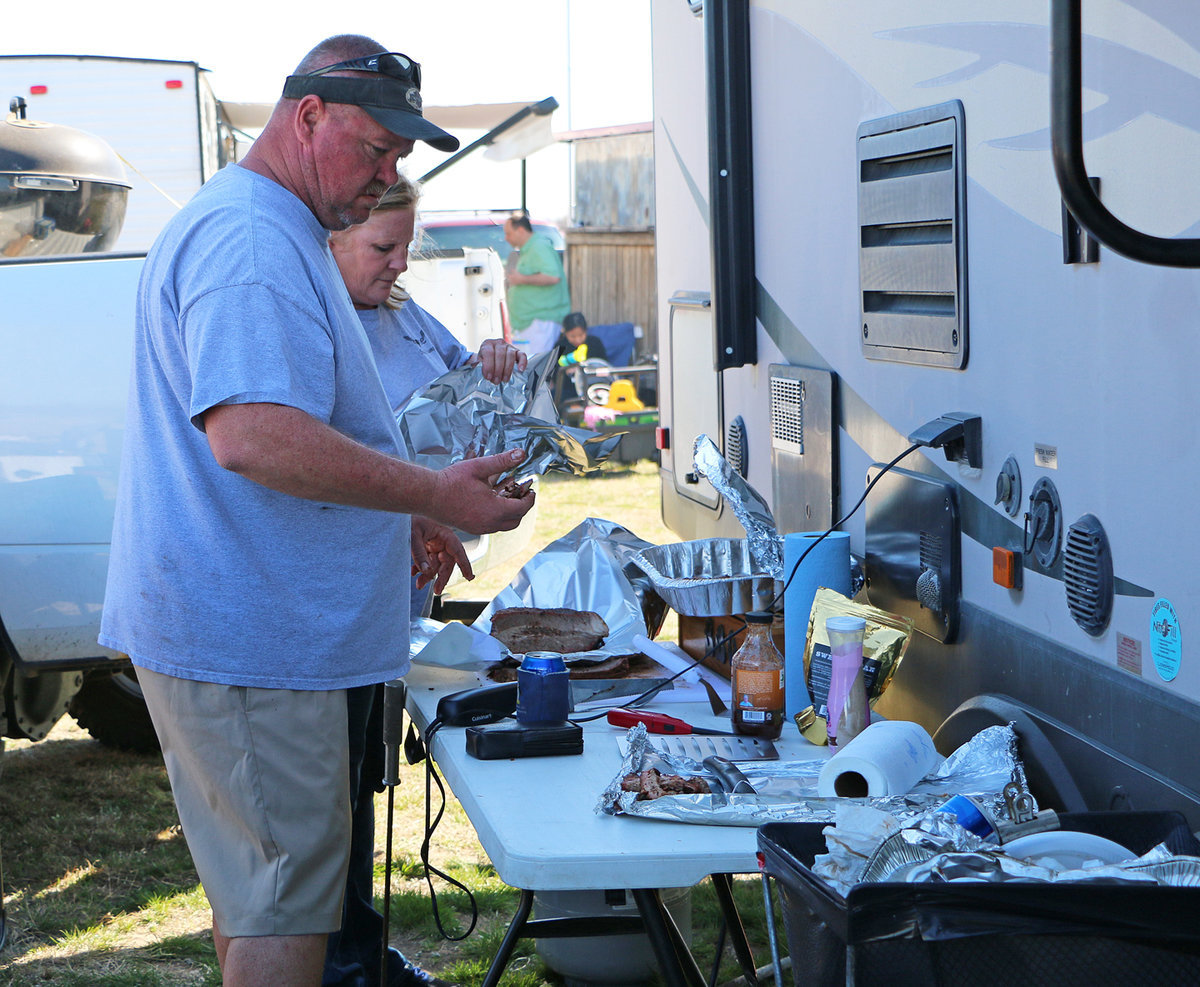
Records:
x=261, y=782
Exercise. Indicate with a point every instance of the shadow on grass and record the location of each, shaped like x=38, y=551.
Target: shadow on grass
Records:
x=176, y=961
x=467, y=962
x=90, y=838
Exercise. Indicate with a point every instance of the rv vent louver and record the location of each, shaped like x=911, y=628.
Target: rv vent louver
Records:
x=912, y=263
x=803, y=477
x=1088, y=575
x=737, y=451
x=787, y=414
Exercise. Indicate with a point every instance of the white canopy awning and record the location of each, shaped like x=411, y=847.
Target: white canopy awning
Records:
x=476, y=116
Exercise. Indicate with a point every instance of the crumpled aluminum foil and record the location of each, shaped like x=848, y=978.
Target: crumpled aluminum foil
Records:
x=588, y=568
x=708, y=577
x=786, y=791
x=865, y=846
x=935, y=849
x=462, y=415
x=765, y=542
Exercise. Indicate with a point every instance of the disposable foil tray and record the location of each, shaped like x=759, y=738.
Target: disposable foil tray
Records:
x=710, y=577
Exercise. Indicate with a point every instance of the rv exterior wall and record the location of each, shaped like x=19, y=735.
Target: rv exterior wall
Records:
x=1093, y=360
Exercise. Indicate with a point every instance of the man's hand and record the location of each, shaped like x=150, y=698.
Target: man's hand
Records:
x=469, y=499
x=290, y=451
x=435, y=551
x=498, y=360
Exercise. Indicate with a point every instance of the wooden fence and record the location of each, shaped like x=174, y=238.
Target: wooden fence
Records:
x=611, y=277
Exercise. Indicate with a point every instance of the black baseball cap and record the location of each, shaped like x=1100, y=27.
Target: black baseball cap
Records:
x=392, y=97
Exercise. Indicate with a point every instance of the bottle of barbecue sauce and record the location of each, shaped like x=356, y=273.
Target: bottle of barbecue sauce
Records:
x=756, y=676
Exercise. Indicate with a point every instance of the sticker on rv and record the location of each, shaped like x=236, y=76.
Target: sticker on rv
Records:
x=1166, y=643
x=1045, y=456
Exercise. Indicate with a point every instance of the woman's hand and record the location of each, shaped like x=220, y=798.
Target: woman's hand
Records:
x=498, y=360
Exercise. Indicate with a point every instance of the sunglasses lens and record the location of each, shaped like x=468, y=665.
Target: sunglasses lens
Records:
x=390, y=63
x=401, y=67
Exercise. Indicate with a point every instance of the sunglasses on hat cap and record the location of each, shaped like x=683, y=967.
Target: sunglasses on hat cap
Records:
x=392, y=97
x=390, y=63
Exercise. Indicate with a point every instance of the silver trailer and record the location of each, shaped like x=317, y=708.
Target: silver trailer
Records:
x=970, y=224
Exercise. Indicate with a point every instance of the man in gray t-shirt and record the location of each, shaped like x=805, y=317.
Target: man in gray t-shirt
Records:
x=262, y=542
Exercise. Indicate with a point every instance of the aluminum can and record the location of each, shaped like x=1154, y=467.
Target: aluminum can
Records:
x=972, y=816
x=543, y=688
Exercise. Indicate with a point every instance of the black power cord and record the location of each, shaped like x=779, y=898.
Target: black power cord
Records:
x=721, y=642
x=432, y=778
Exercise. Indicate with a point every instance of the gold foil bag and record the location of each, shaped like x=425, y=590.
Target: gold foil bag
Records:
x=884, y=641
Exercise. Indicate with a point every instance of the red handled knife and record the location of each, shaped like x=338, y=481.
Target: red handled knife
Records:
x=657, y=722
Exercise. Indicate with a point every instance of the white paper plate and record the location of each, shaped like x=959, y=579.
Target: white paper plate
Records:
x=1067, y=850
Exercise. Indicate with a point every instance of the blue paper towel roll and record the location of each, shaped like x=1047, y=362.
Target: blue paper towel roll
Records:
x=826, y=565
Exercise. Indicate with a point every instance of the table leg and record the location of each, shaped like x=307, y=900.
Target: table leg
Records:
x=723, y=885
x=769, y=907
x=675, y=960
x=515, y=928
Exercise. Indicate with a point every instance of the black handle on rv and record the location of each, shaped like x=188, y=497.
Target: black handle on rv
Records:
x=731, y=184
x=1066, y=136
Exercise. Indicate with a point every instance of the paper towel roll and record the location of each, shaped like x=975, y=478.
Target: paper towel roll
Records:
x=828, y=564
x=887, y=758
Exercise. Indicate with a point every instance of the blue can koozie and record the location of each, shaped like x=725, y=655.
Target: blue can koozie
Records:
x=970, y=816
x=543, y=688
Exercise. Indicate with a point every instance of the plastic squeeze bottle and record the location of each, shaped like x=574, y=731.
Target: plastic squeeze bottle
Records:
x=849, y=714
x=756, y=677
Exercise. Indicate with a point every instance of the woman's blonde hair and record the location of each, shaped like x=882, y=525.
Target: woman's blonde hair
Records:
x=405, y=194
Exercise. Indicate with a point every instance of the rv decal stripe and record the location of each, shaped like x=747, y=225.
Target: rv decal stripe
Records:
x=697, y=194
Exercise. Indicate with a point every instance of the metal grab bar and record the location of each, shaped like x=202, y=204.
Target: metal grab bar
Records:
x=1066, y=136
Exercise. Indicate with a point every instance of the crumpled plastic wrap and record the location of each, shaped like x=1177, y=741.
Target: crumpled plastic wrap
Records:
x=867, y=846
x=786, y=791
x=589, y=568
x=462, y=415
x=763, y=538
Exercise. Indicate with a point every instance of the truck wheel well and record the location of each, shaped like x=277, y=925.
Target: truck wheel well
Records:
x=110, y=706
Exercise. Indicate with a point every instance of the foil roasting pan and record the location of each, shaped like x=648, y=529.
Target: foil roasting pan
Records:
x=710, y=577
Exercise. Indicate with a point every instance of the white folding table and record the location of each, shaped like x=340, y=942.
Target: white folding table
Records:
x=536, y=819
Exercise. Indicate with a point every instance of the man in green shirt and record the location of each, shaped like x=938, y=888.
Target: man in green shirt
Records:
x=538, y=299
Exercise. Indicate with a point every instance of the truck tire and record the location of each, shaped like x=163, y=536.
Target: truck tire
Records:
x=110, y=707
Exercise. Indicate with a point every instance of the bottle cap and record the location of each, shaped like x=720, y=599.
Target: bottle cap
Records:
x=845, y=624
x=761, y=617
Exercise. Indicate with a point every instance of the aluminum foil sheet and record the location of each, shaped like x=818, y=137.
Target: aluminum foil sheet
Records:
x=461, y=415
x=588, y=568
x=979, y=767
x=786, y=791
x=922, y=858
x=709, y=577
x=762, y=536
x=865, y=847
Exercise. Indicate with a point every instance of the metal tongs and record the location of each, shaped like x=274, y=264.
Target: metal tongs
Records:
x=729, y=776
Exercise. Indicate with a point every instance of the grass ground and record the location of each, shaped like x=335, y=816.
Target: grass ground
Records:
x=100, y=889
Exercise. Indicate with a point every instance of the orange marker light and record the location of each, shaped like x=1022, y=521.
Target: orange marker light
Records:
x=1006, y=568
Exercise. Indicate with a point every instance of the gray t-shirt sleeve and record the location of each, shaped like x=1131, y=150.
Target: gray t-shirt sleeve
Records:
x=248, y=343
